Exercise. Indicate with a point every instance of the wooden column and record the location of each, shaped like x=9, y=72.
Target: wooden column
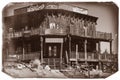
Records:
x=99, y=56
x=85, y=50
x=61, y=51
x=110, y=47
x=69, y=45
x=99, y=51
x=23, y=55
x=41, y=52
x=76, y=54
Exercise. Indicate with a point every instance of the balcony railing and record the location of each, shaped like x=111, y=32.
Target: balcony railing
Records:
x=92, y=34
x=103, y=35
x=37, y=31
x=81, y=33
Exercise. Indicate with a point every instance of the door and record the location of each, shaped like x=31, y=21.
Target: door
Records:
x=52, y=55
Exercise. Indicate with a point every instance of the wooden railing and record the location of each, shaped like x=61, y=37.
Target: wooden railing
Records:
x=91, y=34
x=73, y=54
x=103, y=35
x=37, y=31
x=106, y=57
x=29, y=56
x=81, y=55
x=91, y=56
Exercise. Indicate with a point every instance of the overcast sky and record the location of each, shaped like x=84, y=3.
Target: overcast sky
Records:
x=107, y=14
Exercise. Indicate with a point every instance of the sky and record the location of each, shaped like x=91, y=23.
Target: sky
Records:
x=107, y=14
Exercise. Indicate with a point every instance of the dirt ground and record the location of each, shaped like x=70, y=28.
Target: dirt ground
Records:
x=27, y=73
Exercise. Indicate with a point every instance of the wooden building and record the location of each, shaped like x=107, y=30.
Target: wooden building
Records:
x=57, y=34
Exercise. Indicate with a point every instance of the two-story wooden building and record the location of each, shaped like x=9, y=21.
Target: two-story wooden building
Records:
x=55, y=33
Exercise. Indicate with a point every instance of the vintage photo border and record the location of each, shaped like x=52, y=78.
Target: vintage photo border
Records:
x=4, y=76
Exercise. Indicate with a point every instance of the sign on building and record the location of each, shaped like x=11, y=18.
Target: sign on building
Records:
x=38, y=7
x=35, y=8
x=54, y=40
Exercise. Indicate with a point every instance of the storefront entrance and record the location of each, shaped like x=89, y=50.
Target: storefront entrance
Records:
x=53, y=50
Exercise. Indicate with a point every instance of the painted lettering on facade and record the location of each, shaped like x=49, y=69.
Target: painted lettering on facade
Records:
x=35, y=8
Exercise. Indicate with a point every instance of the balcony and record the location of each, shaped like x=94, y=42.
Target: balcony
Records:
x=81, y=33
x=103, y=35
x=37, y=31
x=92, y=34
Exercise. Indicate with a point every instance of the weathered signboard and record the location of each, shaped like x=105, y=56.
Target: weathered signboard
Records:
x=54, y=40
x=38, y=7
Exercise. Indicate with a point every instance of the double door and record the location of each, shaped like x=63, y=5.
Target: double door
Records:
x=52, y=55
x=52, y=50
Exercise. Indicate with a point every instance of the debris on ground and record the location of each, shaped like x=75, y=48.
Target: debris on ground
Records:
x=35, y=69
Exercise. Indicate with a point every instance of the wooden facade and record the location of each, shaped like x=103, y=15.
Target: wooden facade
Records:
x=56, y=37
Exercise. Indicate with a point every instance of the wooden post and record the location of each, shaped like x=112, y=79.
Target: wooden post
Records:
x=76, y=54
x=67, y=60
x=41, y=38
x=99, y=51
x=85, y=50
x=69, y=45
x=110, y=47
x=61, y=51
x=23, y=51
x=99, y=56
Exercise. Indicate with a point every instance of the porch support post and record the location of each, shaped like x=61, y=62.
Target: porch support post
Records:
x=85, y=50
x=99, y=51
x=69, y=46
x=23, y=55
x=99, y=56
x=110, y=47
x=61, y=51
x=41, y=52
x=76, y=54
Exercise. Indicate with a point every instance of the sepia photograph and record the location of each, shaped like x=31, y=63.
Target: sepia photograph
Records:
x=60, y=39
